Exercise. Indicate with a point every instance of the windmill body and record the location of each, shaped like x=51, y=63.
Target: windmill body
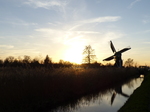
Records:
x=117, y=55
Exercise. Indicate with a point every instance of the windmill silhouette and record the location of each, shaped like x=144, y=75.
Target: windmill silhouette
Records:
x=117, y=55
x=118, y=90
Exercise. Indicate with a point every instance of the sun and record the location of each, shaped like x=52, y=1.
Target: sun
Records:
x=73, y=54
x=75, y=44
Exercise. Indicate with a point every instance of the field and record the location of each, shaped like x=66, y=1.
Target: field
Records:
x=34, y=89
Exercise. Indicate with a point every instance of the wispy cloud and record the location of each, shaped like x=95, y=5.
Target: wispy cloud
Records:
x=47, y=4
x=59, y=35
x=56, y=5
x=75, y=37
x=17, y=22
x=111, y=35
x=133, y=3
x=74, y=31
x=146, y=42
x=143, y=32
x=146, y=31
x=146, y=19
x=102, y=19
x=6, y=46
x=98, y=20
x=42, y=3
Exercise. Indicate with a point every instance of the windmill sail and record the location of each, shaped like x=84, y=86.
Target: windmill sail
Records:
x=123, y=50
x=112, y=47
x=117, y=55
x=113, y=97
x=109, y=58
x=118, y=90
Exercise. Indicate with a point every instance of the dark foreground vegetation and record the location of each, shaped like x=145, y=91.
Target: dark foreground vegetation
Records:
x=41, y=88
x=139, y=101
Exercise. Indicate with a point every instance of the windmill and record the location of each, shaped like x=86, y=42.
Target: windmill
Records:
x=118, y=90
x=117, y=55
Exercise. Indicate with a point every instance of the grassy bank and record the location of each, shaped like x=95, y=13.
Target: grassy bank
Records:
x=139, y=101
x=23, y=90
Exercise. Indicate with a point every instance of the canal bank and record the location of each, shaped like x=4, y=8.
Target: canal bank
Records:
x=139, y=101
x=109, y=100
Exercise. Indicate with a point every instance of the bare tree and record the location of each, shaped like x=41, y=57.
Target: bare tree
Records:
x=129, y=62
x=27, y=59
x=89, y=55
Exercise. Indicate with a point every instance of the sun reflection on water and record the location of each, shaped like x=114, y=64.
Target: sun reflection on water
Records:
x=141, y=76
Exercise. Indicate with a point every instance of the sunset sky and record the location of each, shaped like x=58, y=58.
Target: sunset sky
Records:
x=62, y=28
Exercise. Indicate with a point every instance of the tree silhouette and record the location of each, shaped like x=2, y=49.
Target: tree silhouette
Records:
x=47, y=61
x=1, y=63
x=35, y=63
x=27, y=59
x=9, y=60
x=88, y=55
x=129, y=62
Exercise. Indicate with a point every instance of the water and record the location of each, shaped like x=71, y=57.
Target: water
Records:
x=107, y=101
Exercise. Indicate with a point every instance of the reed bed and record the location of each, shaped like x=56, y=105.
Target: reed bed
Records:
x=29, y=89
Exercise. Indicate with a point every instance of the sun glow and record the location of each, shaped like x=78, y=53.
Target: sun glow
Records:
x=75, y=43
x=74, y=54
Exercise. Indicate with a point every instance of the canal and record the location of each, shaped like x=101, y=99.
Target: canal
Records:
x=106, y=101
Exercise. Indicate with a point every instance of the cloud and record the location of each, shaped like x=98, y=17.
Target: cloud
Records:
x=102, y=19
x=6, y=46
x=146, y=31
x=79, y=31
x=146, y=42
x=17, y=22
x=70, y=38
x=145, y=21
x=47, y=4
x=133, y=3
x=60, y=35
x=81, y=23
x=111, y=35
x=143, y=32
x=19, y=52
x=59, y=6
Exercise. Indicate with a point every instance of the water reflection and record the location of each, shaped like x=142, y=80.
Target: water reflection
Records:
x=141, y=76
x=118, y=90
x=105, y=101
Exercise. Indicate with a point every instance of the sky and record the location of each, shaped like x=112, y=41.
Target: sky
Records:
x=62, y=28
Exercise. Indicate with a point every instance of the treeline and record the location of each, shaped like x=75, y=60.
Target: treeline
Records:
x=27, y=62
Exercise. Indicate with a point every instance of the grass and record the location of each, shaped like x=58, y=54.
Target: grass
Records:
x=139, y=101
x=23, y=90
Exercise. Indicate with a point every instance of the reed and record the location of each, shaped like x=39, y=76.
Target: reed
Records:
x=33, y=89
